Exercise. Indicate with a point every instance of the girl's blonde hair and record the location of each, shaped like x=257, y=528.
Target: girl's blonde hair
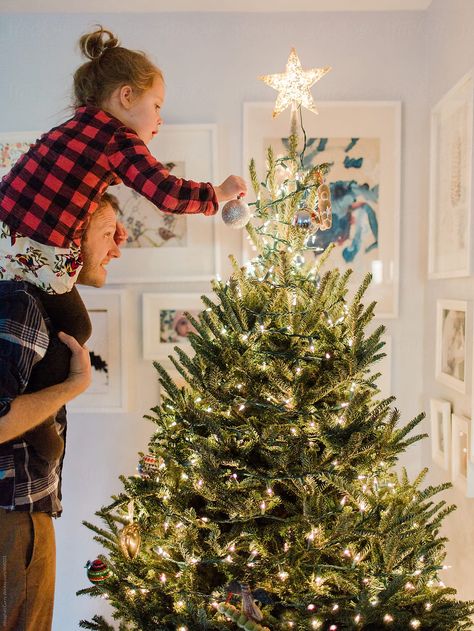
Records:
x=109, y=67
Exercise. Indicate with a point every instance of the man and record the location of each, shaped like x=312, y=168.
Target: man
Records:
x=30, y=484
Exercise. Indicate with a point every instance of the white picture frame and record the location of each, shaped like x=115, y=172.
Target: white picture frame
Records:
x=366, y=171
x=462, y=469
x=451, y=348
x=449, y=253
x=13, y=144
x=107, y=346
x=164, y=323
x=440, y=421
x=194, y=149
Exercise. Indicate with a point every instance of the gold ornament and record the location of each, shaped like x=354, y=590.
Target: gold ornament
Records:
x=294, y=84
x=130, y=541
x=324, y=207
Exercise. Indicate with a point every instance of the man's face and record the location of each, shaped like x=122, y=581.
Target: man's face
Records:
x=98, y=246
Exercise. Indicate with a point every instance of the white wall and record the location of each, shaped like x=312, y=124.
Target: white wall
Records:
x=450, y=54
x=211, y=63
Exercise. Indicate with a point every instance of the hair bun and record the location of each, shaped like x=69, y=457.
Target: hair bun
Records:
x=94, y=44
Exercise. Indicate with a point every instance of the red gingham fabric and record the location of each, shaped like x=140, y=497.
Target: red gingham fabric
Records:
x=58, y=182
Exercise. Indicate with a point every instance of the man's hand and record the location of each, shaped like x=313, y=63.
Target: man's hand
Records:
x=231, y=188
x=121, y=234
x=29, y=410
x=80, y=365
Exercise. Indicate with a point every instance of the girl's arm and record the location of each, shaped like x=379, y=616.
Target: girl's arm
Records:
x=132, y=161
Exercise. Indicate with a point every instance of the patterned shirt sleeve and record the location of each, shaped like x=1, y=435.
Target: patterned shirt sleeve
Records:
x=23, y=342
x=131, y=160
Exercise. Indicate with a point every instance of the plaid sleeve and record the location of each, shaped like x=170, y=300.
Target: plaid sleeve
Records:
x=130, y=158
x=23, y=342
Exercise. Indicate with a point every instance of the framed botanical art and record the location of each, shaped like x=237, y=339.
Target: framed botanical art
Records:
x=462, y=469
x=451, y=182
x=451, y=327
x=13, y=145
x=166, y=247
x=362, y=142
x=107, y=348
x=165, y=324
x=440, y=419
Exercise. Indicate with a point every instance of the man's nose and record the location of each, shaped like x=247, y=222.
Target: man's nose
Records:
x=114, y=252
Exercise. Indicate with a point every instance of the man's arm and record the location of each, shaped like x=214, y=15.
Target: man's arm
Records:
x=28, y=410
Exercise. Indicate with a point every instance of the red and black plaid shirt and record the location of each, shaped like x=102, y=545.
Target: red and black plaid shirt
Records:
x=52, y=188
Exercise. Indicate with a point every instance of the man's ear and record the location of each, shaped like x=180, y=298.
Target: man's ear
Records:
x=126, y=96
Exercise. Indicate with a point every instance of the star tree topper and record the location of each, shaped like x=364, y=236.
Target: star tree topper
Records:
x=294, y=84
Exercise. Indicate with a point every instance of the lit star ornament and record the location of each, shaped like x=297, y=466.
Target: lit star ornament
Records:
x=294, y=84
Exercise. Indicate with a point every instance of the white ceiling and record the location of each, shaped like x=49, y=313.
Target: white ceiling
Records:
x=152, y=6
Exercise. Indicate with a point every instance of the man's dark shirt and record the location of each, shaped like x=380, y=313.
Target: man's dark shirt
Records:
x=27, y=481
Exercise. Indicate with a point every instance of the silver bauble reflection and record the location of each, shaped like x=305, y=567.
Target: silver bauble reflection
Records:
x=303, y=219
x=236, y=214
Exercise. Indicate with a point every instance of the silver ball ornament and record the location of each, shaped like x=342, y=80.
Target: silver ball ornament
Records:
x=303, y=219
x=236, y=213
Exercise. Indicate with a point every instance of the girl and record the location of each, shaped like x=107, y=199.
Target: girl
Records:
x=47, y=197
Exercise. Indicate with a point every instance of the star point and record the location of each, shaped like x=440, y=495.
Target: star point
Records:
x=294, y=84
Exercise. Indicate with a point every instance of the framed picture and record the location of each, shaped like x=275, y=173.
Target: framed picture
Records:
x=451, y=327
x=450, y=182
x=166, y=247
x=362, y=141
x=462, y=468
x=165, y=324
x=12, y=145
x=440, y=417
x=107, y=347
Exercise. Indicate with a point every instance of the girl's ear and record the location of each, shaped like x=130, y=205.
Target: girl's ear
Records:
x=126, y=96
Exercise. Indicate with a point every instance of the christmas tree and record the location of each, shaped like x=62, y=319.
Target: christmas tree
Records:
x=268, y=497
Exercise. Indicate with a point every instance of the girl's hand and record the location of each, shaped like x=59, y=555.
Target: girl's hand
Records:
x=231, y=188
x=121, y=234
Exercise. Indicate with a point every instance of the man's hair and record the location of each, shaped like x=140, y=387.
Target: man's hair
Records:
x=108, y=198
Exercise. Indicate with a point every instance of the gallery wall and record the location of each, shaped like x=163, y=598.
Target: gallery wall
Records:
x=211, y=63
x=450, y=55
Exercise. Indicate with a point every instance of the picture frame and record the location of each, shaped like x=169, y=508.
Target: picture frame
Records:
x=363, y=141
x=13, y=144
x=449, y=253
x=451, y=331
x=195, y=255
x=462, y=469
x=108, y=350
x=440, y=420
x=165, y=325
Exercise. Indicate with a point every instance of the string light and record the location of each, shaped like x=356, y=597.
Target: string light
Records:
x=388, y=618
x=415, y=624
